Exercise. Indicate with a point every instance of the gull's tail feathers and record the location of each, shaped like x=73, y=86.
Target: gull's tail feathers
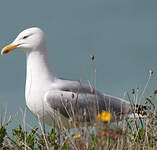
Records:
x=139, y=111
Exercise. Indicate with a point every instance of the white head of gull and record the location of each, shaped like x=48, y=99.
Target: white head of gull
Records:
x=55, y=100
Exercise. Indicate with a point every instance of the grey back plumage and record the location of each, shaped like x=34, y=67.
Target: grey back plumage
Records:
x=73, y=99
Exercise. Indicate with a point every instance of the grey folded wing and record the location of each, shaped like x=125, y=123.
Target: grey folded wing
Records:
x=79, y=101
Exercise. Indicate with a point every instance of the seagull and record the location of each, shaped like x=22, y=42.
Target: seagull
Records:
x=54, y=100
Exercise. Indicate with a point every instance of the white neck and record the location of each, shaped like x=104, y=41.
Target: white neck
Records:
x=38, y=70
x=39, y=76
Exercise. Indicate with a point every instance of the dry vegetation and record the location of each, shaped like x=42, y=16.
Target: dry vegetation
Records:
x=129, y=134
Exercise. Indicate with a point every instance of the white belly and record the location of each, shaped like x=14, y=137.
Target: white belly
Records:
x=35, y=102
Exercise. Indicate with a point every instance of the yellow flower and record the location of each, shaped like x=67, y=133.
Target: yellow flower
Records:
x=104, y=116
x=76, y=136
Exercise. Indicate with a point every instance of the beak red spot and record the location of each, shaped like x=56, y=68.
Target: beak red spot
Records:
x=7, y=51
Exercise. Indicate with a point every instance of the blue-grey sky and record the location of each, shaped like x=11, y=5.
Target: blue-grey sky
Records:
x=122, y=34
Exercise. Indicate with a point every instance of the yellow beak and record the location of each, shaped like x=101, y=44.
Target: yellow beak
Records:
x=9, y=48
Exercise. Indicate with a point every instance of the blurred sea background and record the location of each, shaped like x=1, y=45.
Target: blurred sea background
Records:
x=122, y=35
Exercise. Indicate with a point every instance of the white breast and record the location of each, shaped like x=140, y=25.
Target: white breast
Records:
x=38, y=80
